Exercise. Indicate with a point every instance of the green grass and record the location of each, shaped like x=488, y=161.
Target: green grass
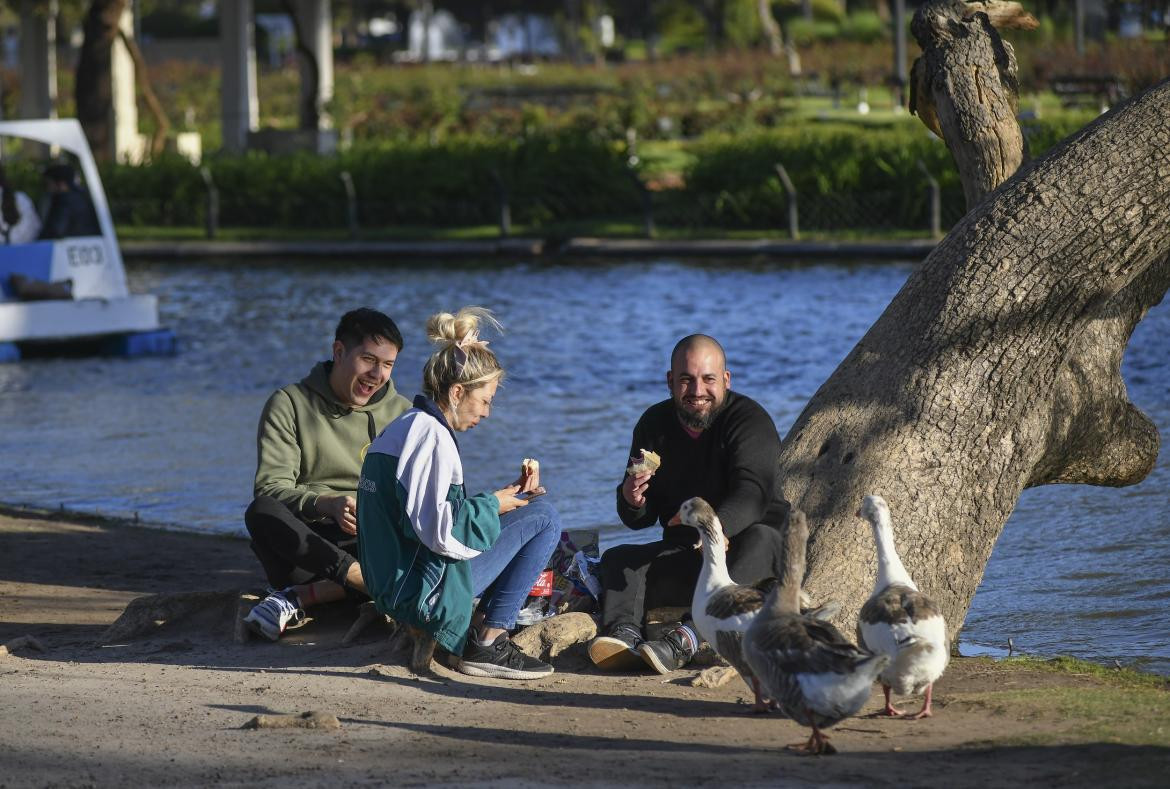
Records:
x=1121, y=677
x=1118, y=706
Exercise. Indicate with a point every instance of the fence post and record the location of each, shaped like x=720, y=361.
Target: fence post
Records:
x=504, y=202
x=212, y=219
x=351, y=207
x=935, y=202
x=648, y=227
x=793, y=221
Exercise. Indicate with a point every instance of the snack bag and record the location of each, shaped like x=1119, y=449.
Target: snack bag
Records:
x=575, y=561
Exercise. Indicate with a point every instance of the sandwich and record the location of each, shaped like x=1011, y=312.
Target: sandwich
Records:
x=649, y=463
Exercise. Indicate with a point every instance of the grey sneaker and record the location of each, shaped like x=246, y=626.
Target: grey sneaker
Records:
x=671, y=652
x=273, y=615
x=501, y=659
x=617, y=650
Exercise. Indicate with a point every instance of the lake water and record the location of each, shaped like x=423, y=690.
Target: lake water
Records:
x=1079, y=570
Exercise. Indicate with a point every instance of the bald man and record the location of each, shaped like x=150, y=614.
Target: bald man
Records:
x=714, y=443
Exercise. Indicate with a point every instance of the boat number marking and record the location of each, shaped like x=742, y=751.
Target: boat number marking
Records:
x=85, y=256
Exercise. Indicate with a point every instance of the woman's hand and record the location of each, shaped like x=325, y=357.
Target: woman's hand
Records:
x=508, y=500
x=529, y=479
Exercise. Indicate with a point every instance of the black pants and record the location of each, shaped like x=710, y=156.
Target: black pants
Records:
x=292, y=551
x=637, y=578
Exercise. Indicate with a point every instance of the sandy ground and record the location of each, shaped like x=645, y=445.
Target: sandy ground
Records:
x=167, y=708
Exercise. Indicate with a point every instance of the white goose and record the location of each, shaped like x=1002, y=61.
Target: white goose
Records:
x=721, y=608
x=899, y=621
x=814, y=674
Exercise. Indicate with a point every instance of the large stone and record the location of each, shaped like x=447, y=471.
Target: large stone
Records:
x=305, y=720
x=550, y=637
x=149, y=614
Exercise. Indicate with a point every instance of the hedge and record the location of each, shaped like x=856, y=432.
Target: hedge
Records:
x=847, y=176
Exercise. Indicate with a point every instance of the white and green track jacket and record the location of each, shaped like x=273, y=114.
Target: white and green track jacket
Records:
x=417, y=527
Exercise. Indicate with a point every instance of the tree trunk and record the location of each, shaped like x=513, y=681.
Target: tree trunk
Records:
x=309, y=114
x=714, y=13
x=769, y=26
x=965, y=88
x=997, y=366
x=92, y=90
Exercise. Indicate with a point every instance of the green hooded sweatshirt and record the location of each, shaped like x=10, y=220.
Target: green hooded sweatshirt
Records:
x=310, y=444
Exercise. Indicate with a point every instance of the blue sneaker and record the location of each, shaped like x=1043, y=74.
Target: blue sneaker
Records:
x=273, y=615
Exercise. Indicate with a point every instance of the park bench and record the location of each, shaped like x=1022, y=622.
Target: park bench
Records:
x=1092, y=90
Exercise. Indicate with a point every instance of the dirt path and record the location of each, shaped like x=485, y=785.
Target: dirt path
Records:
x=167, y=708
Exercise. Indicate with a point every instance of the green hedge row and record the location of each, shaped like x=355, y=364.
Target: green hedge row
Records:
x=547, y=178
x=846, y=176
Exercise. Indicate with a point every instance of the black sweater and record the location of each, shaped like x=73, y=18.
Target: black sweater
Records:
x=731, y=464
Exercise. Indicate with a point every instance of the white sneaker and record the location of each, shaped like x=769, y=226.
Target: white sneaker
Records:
x=273, y=615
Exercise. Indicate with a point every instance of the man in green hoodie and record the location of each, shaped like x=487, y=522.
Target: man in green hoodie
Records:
x=310, y=446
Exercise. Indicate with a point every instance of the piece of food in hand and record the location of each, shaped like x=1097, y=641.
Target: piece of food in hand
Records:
x=529, y=466
x=649, y=463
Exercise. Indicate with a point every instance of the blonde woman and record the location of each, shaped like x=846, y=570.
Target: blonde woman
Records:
x=427, y=549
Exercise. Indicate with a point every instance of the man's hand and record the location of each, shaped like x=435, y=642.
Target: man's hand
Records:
x=342, y=509
x=508, y=500
x=634, y=489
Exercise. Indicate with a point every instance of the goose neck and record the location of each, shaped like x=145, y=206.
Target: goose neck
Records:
x=713, y=574
x=890, y=567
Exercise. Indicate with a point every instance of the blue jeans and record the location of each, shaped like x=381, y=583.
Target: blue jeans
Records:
x=503, y=575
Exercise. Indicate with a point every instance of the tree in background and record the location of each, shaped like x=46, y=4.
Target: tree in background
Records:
x=997, y=366
x=92, y=89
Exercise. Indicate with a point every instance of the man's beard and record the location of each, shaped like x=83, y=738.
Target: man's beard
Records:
x=699, y=421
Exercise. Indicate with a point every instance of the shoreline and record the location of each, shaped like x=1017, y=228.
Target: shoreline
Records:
x=167, y=706
x=536, y=248
x=63, y=515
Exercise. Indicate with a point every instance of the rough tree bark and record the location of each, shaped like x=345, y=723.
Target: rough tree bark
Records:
x=92, y=89
x=997, y=366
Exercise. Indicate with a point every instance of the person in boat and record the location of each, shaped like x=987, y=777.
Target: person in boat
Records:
x=19, y=222
x=714, y=443
x=427, y=548
x=71, y=212
x=312, y=436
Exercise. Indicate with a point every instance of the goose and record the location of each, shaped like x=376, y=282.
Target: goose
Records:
x=722, y=609
x=814, y=674
x=899, y=621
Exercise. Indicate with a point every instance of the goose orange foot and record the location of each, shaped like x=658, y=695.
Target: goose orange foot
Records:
x=890, y=709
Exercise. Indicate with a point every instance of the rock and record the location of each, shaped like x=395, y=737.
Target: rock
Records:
x=548, y=638
x=714, y=677
x=23, y=642
x=148, y=614
x=707, y=657
x=305, y=720
x=424, y=652
x=367, y=614
x=422, y=647
x=244, y=603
